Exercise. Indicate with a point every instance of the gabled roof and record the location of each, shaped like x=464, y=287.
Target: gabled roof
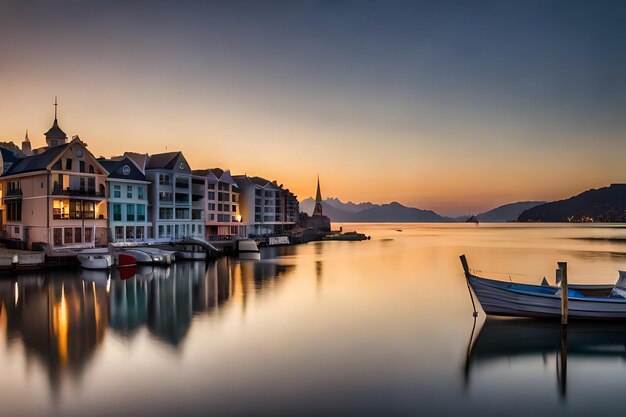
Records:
x=124, y=168
x=37, y=162
x=257, y=182
x=8, y=155
x=204, y=173
x=163, y=160
x=41, y=161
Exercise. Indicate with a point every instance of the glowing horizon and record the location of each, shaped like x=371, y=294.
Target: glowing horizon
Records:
x=453, y=109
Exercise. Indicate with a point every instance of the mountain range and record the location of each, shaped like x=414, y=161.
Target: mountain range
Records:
x=607, y=204
x=339, y=211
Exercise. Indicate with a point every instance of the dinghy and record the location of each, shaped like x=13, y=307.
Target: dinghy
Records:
x=95, y=259
x=504, y=298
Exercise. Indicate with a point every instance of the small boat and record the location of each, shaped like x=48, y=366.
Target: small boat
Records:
x=504, y=298
x=278, y=240
x=165, y=257
x=95, y=259
x=149, y=256
x=248, y=250
x=472, y=219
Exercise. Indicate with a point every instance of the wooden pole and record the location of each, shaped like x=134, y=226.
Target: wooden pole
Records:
x=559, y=276
x=563, y=268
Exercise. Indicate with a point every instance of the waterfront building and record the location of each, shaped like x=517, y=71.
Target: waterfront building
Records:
x=262, y=206
x=56, y=196
x=222, y=217
x=170, y=198
x=127, y=200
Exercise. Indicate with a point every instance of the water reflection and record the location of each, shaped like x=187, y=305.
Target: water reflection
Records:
x=61, y=320
x=503, y=342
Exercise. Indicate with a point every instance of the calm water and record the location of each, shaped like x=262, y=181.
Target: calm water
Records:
x=381, y=327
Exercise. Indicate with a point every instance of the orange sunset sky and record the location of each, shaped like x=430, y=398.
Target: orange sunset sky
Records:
x=455, y=110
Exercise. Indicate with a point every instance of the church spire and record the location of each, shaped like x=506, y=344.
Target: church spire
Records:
x=55, y=136
x=317, y=211
x=26, y=149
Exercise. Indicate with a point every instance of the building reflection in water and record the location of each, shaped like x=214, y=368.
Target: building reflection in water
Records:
x=61, y=318
x=60, y=321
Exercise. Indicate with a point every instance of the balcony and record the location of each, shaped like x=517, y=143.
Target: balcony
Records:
x=14, y=194
x=84, y=192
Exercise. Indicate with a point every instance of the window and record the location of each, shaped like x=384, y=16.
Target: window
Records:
x=76, y=209
x=68, y=235
x=211, y=195
x=14, y=211
x=139, y=233
x=140, y=194
x=234, y=208
x=117, y=191
x=119, y=233
x=117, y=212
x=223, y=186
x=211, y=186
x=89, y=209
x=130, y=232
x=78, y=234
x=91, y=186
x=126, y=170
x=129, y=191
x=212, y=206
x=141, y=212
x=212, y=217
x=165, y=196
x=161, y=231
x=220, y=207
x=81, y=166
x=182, y=213
x=166, y=213
x=92, y=170
x=130, y=212
x=81, y=184
x=88, y=235
x=57, y=236
x=68, y=164
x=164, y=179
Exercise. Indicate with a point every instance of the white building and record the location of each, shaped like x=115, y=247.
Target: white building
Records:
x=261, y=203
x=222, y=217
x=127, y=200
x=170, y=196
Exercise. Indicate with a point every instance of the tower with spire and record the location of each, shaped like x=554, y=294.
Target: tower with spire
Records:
x=55, y=136
x=317, y=211
x=26, y=148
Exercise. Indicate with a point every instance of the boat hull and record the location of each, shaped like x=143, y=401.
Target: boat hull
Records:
x=95, y=261
x=499, y=298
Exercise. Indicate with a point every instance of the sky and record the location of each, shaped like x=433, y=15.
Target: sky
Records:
x=456, y=107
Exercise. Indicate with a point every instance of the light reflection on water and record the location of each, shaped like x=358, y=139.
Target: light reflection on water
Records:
x=334, y=328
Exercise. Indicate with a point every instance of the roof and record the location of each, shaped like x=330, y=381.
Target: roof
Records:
x=8, y=155
x=124, y=168
x=257, y=181
x=218, y=172
x=163, y=160
x=55, y=131
x=37, y=162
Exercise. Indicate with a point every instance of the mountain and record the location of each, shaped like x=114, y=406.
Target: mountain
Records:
x=507, y=213
x=369, y=212
x=606, y=204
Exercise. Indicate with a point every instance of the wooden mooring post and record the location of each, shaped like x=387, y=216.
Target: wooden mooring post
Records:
x=563, y=268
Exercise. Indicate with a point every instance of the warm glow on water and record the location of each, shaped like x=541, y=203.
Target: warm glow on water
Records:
x=379, y=327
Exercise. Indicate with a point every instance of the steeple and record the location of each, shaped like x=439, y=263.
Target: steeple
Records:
x=317, y=211
x=55, y=136
x=26, y=149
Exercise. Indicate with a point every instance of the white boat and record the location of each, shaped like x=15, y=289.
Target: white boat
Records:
x=149, y=256
x=505, y=298
x=160, y=256
x=142, y=258
x=248, y=250
x=278, y=240
x=95, y=259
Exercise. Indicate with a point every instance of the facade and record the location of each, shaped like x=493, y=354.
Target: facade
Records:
x=170, y=198
x=127, y=201
x=262, y=206
x=222, y=217
x=57, y=196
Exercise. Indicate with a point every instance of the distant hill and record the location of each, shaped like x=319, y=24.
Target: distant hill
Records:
x=606, y=204
x=508, y=212
x=369, y=212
